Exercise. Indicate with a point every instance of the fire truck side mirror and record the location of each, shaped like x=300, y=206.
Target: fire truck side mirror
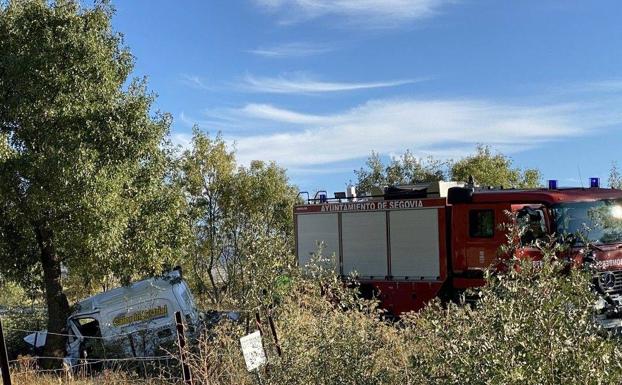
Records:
x=460, y=195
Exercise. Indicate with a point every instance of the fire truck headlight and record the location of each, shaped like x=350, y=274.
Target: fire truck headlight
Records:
x=600, y=305
x=616, y=211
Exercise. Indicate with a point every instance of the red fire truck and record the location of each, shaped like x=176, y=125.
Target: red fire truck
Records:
x=414, y=243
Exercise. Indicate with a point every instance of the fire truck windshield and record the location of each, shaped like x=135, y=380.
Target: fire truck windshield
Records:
x=599, y=221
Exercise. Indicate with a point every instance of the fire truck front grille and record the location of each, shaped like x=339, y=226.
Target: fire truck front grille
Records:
x=610, y=281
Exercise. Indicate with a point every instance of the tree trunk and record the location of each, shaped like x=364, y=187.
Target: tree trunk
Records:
x=57, y=304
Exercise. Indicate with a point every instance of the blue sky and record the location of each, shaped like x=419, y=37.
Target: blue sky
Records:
x=316, y=85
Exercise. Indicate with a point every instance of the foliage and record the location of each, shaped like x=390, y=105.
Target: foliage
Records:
x=324, y=341
x=262, y=274
x=83, y=172
x=406, y=169
x=615, y=178
x=486, y=168
x=13, y=295
x=532, y=324
x=242, y=218
x=490, y=169
x=207, y=173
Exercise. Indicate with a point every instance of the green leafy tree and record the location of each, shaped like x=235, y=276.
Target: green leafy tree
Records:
x=84, y=180
x=263, y=234
x=487, y=168
x=406, y=169
x=490, y=169
x=208, y=172
x=235, y=212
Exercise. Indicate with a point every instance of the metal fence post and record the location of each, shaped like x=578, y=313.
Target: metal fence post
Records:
x=181, y=339
x=258, y=323
x=4, y=358
x=273, y=330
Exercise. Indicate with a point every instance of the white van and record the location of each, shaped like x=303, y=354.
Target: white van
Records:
x=130, y=321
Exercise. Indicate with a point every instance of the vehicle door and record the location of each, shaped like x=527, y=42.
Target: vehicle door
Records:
x=477, y=235
x=533, y=222
x=85, y=337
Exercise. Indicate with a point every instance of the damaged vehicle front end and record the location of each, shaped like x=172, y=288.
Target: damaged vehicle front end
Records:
x=134, y=321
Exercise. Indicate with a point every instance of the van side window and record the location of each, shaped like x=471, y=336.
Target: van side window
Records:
x=481, y=223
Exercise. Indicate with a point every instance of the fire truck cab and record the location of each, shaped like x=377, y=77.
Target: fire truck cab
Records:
x=414, y=243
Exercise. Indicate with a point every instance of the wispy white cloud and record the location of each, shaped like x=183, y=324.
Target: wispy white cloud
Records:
x=197, y=82
x=272, y=113
x=368, y=13
x=294, y=49
x=300, y=83
x=204, y=123
x=443, y=128
x=215, y=120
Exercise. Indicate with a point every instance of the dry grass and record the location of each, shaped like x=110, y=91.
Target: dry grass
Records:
x=105, y=378
x=25, y=372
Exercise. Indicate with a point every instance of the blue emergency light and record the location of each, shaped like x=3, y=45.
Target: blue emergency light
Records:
x=594, y=182
x=553, y=184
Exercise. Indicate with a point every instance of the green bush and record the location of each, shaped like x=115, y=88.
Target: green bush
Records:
x=531, y=325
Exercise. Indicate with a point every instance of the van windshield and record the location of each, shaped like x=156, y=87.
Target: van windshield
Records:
x=600, y=221
x=186, y=297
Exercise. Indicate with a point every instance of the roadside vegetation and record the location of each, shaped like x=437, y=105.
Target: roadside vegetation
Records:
x=531, y=325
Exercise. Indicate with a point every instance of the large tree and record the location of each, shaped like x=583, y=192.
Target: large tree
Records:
x=486, y=168
x=235, y=212
x=405, y=169
x=83, y=173
x=494, y=169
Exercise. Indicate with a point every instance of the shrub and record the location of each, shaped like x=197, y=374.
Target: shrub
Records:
x=532, y=324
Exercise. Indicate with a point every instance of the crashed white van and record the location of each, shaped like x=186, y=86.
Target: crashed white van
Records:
x=131, y=321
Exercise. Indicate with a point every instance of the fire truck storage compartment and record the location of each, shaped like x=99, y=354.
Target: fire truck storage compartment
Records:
x=359, y=242
x=414, y=244
x=364, y=237
x=314, y=228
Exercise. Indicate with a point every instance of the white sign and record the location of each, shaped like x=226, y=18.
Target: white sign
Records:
x=252, y=348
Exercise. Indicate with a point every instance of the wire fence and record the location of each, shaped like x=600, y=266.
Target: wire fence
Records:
x=131, y=358
x=112, y=337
